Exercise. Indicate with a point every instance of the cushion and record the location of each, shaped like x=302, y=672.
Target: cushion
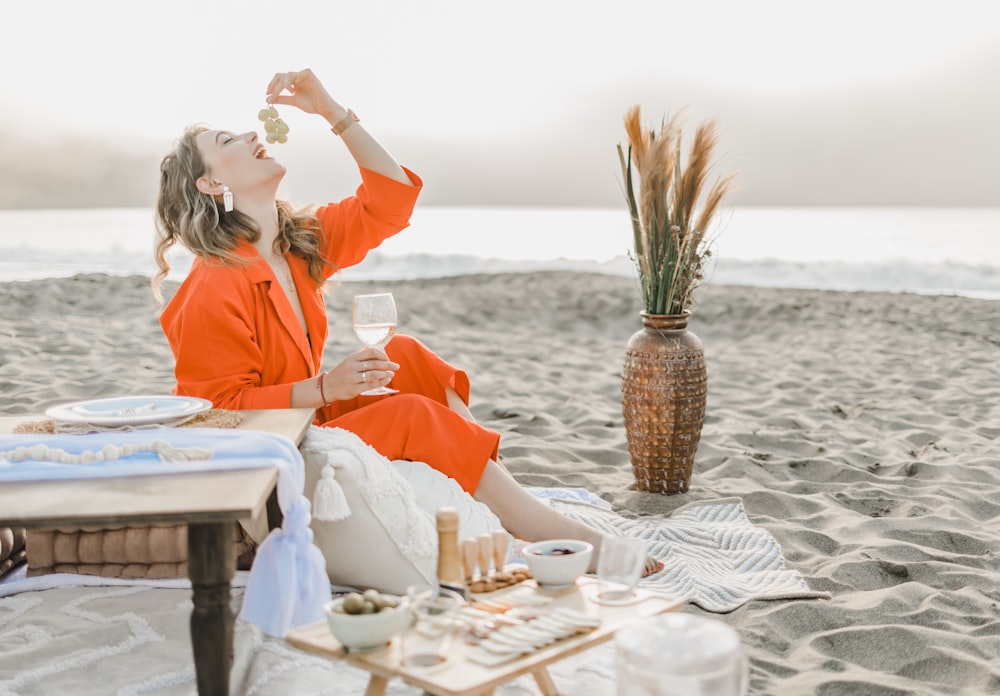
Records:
x=388, y=538
x=12, y=553
x=433, y=490
x=120, y=552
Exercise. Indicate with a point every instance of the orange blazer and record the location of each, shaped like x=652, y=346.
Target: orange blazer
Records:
x=233, y=333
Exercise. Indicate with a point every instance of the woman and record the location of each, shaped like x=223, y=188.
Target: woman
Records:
x=248, y=325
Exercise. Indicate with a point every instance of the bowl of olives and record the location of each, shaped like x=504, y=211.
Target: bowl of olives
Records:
x=367, y=621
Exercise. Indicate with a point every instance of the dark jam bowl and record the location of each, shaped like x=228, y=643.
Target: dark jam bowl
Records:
x=557, y=551
x=558, y=562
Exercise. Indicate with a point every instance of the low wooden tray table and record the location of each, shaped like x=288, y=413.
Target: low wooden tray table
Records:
x=462, y=677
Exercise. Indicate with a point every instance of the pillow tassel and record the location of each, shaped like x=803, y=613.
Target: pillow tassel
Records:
x=329, y=501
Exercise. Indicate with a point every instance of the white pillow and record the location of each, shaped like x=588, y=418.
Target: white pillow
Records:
x=433, y=490
x=388, y=541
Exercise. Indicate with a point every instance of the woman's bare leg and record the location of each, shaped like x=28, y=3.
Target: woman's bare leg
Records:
x=530, y=519
x=527, y=517
x=524, y=515
x=456, y=404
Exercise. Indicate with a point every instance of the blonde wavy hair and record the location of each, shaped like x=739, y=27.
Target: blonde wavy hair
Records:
x=195, y=219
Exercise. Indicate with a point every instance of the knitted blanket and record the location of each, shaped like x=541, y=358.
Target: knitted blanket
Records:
x=713, y=555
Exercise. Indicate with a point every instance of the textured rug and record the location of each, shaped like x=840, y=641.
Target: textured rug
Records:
x=132, y=640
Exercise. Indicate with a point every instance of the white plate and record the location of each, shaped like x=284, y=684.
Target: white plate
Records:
x=129, y=410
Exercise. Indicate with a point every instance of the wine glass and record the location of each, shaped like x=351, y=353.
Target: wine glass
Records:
x=374, y=319
x=428, y=640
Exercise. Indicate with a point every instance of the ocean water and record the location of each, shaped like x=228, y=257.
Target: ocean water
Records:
x=922, y=250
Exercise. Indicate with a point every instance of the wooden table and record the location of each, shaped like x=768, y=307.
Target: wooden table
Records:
x=207, y=502
x=461, y=677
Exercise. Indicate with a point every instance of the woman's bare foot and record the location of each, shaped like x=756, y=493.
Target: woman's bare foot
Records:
x=652, y=566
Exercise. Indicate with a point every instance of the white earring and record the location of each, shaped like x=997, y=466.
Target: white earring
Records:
x=227, y=199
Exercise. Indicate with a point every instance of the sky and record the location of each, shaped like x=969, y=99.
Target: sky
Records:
x=856, y=103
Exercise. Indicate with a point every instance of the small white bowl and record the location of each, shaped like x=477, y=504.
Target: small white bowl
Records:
x=558, y=562
x=364, y=632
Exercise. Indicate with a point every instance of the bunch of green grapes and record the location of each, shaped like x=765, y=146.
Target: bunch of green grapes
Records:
x=277, y=130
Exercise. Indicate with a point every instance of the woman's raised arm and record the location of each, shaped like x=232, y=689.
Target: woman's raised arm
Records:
x=304, y=91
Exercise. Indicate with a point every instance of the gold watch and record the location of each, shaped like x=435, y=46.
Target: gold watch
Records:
x=345, y=123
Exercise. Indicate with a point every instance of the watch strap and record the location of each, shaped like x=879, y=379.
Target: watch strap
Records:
x=345, y=123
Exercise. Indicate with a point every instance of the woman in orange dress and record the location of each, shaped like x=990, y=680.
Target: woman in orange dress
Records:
x=248, y=325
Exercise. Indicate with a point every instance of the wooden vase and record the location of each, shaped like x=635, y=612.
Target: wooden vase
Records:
x=664, y=386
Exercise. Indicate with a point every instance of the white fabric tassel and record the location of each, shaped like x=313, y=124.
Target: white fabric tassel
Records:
x=329, y=501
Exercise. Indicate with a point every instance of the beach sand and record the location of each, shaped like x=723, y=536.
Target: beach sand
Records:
x=859, y=429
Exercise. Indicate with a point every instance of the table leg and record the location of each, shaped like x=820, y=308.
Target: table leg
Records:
x=545, y=683
x=211, y=564
x=274, y=516
x=376, y=686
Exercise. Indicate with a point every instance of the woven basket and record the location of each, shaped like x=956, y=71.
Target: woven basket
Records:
x=664, y=385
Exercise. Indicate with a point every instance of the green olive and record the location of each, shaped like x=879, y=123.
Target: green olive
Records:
x=386, y=602
x=354, y=603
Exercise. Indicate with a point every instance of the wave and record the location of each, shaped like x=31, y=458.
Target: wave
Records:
x=939, y=251
x=943, y=278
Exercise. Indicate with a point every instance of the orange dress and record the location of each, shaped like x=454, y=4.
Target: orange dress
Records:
x=236, y=342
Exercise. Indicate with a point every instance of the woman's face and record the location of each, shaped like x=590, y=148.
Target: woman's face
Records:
x=239, y=161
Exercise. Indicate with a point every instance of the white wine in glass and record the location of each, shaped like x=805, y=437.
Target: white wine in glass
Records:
x=374, y=319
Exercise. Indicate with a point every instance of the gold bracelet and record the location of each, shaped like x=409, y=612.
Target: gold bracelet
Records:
x=345, y=123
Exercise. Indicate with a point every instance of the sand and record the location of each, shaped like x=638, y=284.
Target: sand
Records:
x=859, y=429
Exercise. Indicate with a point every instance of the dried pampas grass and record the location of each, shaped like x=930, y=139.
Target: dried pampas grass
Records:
x=671, y=243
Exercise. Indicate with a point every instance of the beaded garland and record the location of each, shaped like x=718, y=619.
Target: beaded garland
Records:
x=44, y=453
